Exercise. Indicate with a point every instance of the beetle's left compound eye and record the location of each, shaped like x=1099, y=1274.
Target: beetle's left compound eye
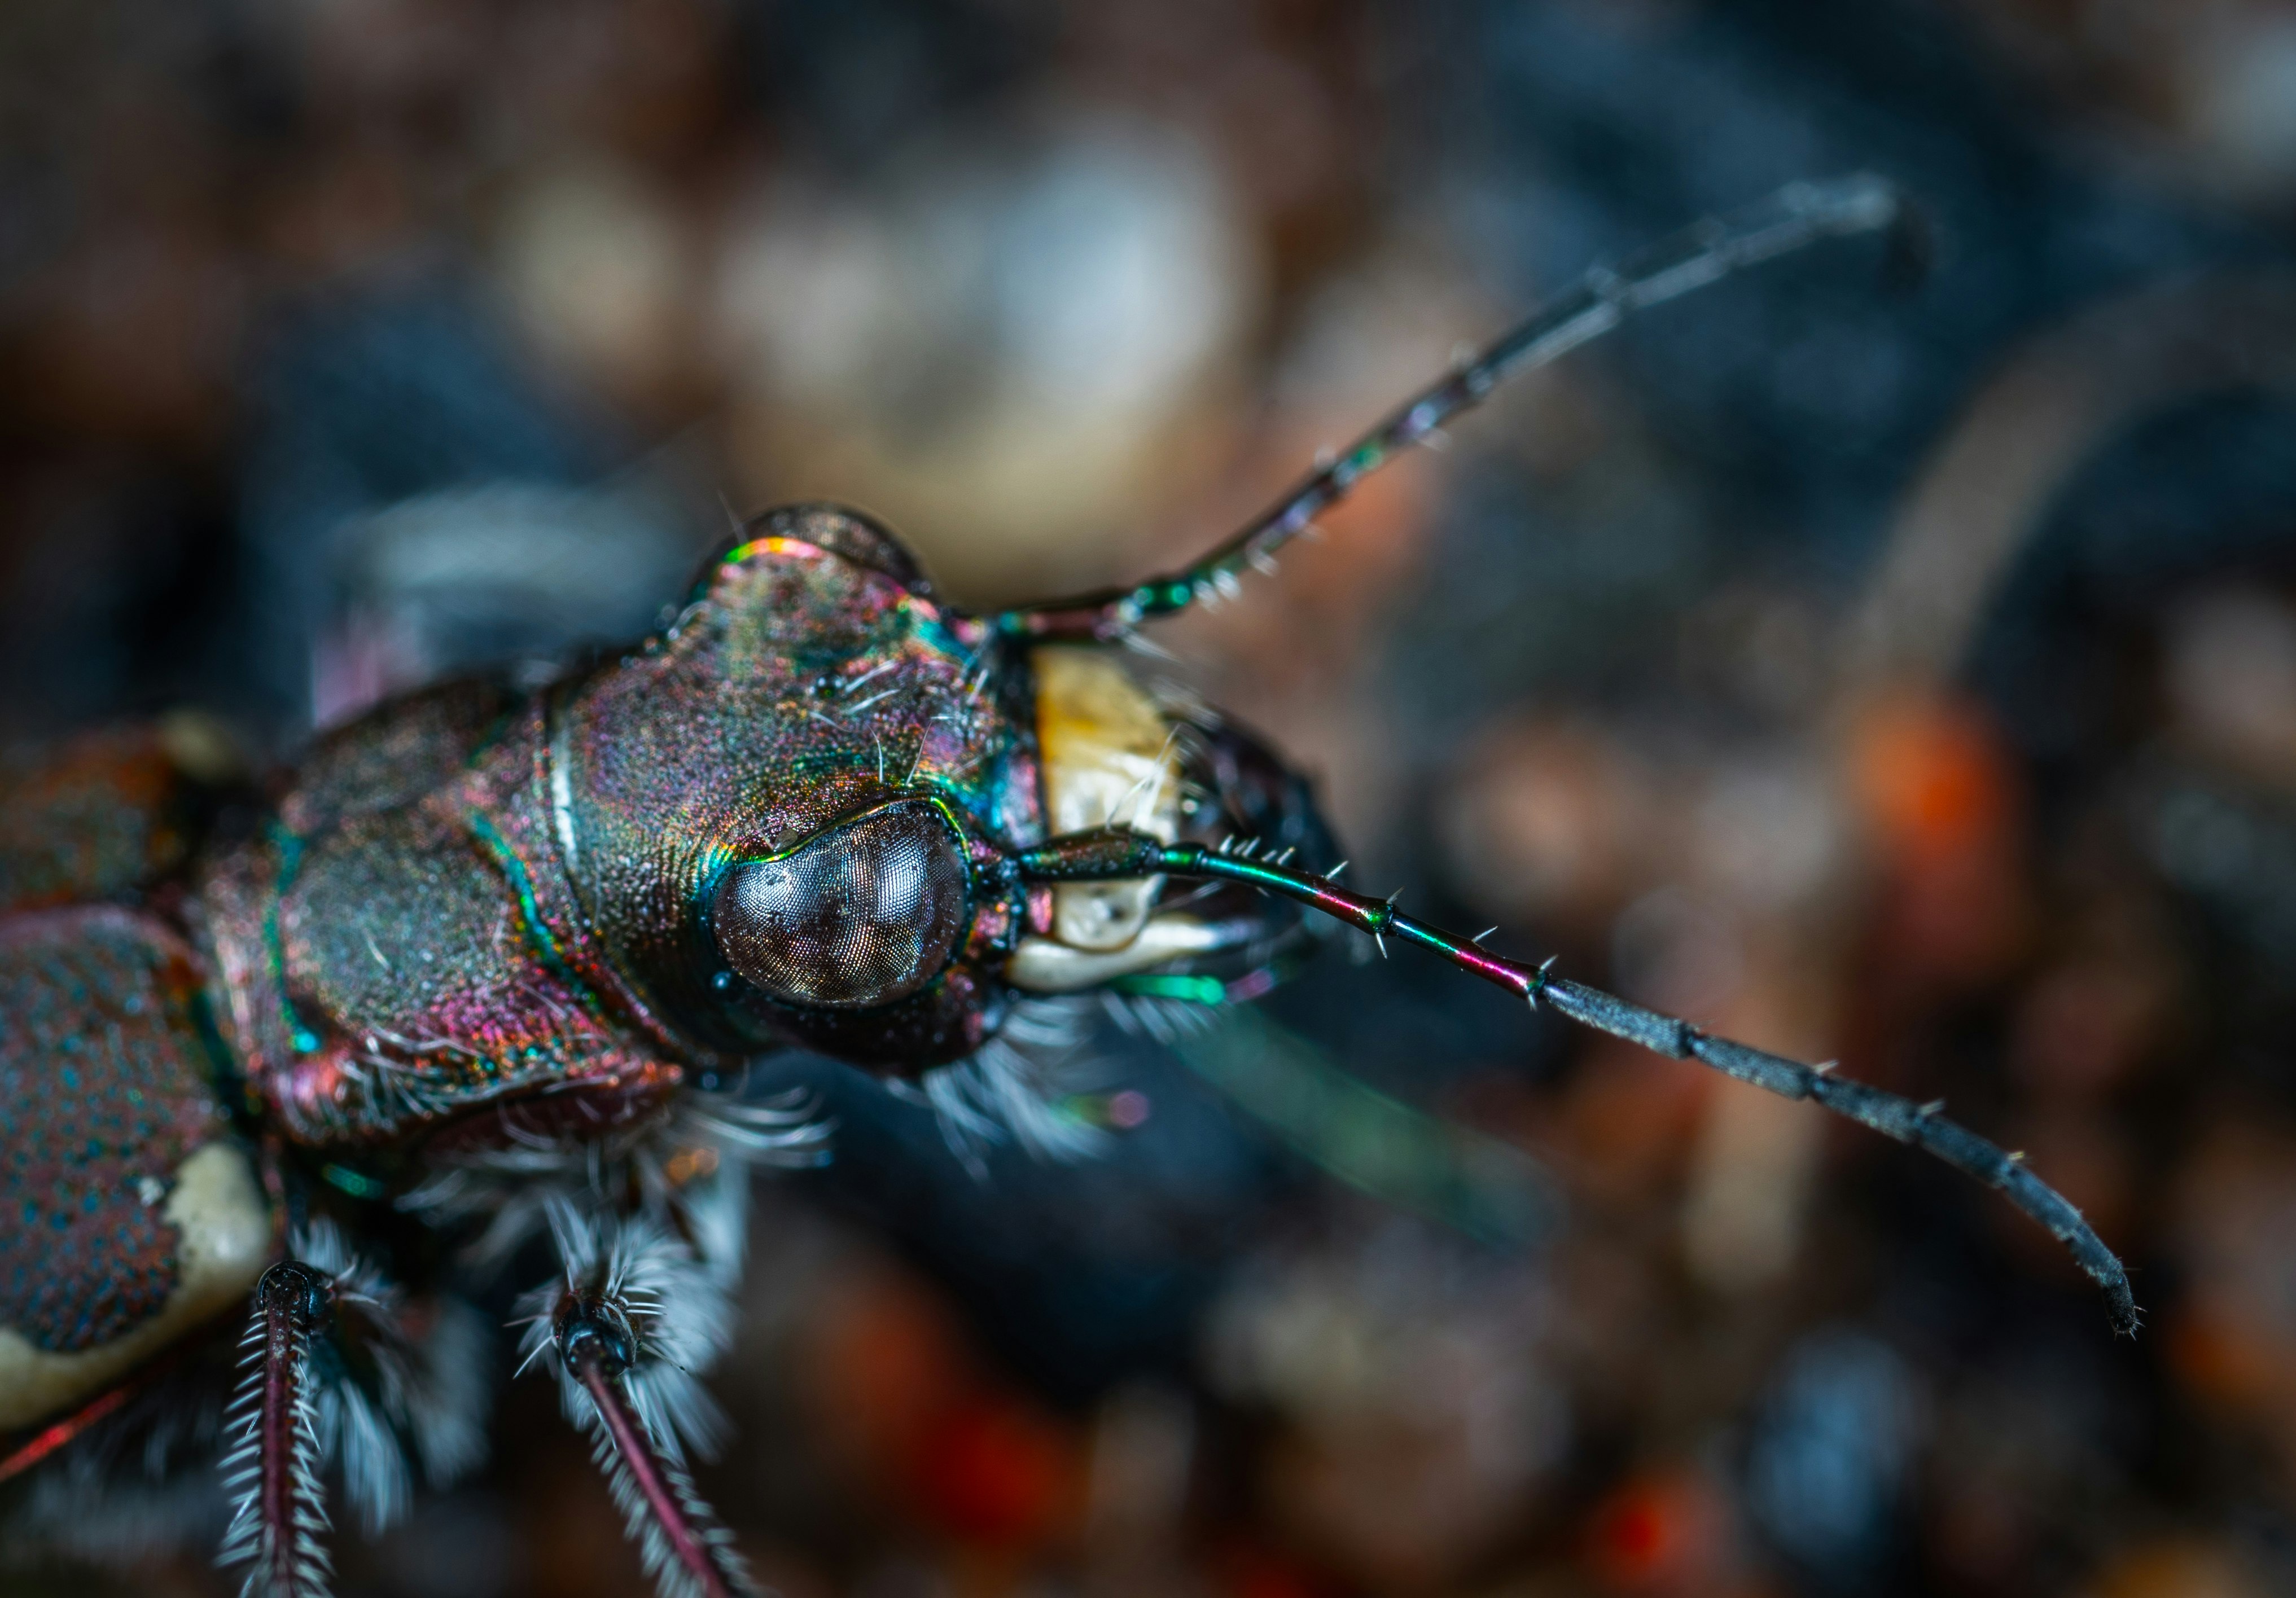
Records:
x=864, y=915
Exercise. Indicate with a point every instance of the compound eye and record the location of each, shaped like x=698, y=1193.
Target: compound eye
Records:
x=864, y=915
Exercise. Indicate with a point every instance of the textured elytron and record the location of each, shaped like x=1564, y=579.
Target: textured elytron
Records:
x=108, y=1093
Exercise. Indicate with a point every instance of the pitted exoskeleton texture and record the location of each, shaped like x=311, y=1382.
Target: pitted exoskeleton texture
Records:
x=108, y=1092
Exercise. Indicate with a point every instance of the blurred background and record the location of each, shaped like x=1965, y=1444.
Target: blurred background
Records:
x=1894, y=668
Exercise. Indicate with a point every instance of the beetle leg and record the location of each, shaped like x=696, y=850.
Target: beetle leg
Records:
x=685, y=1550
x=1797, y=216
x=389, y=1376
x=272, y=1470
x=634, y=1315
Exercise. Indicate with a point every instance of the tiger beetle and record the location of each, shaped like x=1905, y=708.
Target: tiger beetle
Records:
x=491, y=966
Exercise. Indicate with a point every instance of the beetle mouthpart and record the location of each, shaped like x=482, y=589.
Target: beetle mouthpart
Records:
x=1047, y=965
x=1106, y=759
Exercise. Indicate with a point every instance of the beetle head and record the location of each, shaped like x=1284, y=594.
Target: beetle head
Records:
x=792, y=817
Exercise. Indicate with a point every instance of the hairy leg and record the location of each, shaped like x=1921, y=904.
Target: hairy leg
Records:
x=634, y=1315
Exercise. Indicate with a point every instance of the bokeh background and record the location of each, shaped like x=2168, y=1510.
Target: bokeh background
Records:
x=1893, y=666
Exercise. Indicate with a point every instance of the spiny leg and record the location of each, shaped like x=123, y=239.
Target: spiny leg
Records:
x=1797, y=216
x=610, y=1333
x=341, y=1371
x=1116, y=855
x=675, y=1527
x=402, y=1378
x=272, y=1470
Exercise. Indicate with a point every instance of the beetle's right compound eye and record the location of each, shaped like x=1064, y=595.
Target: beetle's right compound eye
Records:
x=864, y=915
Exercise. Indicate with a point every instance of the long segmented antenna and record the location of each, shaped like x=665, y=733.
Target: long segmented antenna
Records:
x=1115, y=855
x=1797, y=216
x=272, y=1470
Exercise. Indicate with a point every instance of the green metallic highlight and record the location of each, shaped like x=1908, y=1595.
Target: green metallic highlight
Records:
x=507, y=860
x=290, y=845
x=358, y=1184
x=1173, y=985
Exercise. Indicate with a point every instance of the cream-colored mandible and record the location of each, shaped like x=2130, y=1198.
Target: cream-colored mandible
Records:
x=1107, y=760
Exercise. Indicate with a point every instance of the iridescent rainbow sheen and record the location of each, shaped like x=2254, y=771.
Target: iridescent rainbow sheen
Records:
x=500, y=934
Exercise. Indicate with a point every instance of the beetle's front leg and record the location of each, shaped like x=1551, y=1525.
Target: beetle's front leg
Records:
x=272, y=1471
x=382, y=1378
x=635, y=1314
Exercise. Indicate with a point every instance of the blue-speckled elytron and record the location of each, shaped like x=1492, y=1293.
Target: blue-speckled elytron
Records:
x=477, y=971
